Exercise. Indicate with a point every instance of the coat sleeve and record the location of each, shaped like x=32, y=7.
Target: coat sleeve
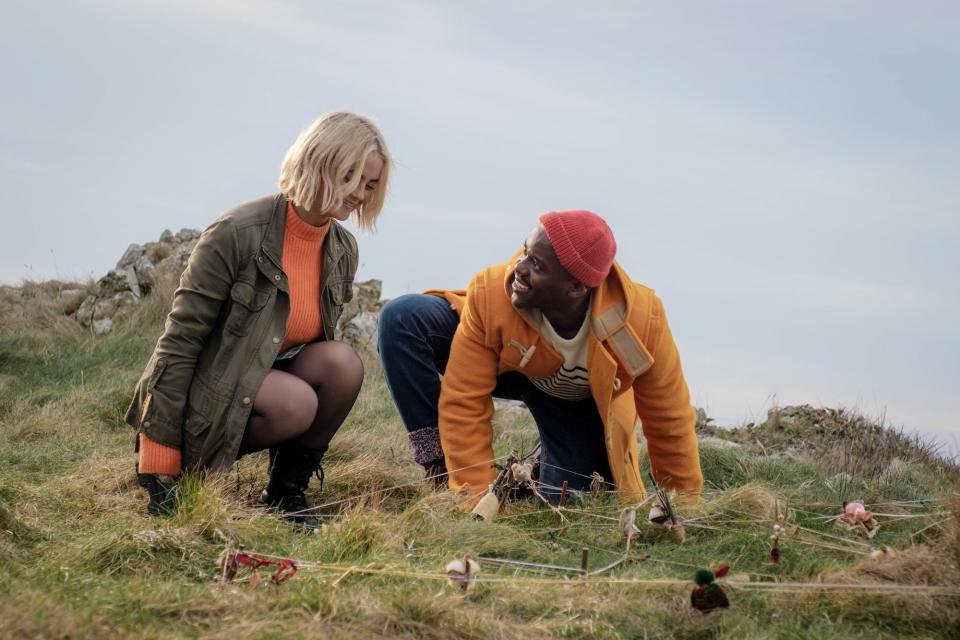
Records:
x=668, y=419
x=466, y=399
x=204, y=285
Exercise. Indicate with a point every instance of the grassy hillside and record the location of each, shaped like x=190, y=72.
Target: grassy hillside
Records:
x=78, y=557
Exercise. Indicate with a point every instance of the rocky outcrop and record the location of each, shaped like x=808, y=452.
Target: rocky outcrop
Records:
x=358, y=321
x=135, y=276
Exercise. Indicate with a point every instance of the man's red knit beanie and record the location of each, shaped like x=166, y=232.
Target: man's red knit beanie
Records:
x=583, y=243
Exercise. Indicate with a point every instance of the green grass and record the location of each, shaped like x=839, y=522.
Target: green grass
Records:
x=78, y=557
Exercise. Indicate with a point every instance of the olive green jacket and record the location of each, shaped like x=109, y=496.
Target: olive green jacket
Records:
x=225, y=330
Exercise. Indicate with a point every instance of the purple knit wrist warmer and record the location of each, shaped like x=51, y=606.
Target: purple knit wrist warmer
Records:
x=426, y=445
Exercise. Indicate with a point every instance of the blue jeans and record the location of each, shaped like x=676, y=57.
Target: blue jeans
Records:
x=415, y=334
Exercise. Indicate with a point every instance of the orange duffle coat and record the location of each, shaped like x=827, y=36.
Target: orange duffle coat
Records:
x=634, y=371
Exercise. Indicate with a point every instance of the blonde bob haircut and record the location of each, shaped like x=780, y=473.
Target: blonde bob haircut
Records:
x=331, y=148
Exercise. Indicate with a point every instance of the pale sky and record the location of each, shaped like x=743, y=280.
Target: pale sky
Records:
x=786, y=175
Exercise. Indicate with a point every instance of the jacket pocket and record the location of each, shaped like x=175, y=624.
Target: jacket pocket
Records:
x=341, y=291
x=199, y=440
x=246, y=301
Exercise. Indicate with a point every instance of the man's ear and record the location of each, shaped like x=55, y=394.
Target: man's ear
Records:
x=577, y=290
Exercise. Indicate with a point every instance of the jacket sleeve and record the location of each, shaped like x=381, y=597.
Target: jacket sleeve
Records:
x=466, y=399
x=668, y=419
x=204, y=285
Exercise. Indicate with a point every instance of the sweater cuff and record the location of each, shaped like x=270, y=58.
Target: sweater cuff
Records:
x=426, y=445
x=158, y=458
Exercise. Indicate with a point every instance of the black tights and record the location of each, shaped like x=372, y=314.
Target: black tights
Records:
x=305, y=399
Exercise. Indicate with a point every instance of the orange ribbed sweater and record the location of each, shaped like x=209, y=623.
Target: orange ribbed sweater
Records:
x=303, y=263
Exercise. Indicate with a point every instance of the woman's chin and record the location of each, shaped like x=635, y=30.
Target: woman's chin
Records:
x=340, y=214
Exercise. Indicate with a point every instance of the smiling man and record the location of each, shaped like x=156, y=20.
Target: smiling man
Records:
x=561, y=327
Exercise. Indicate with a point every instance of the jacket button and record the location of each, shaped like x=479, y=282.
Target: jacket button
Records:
x=146, y=423
x=277, y=277
x=276, y=340
x=246, y=400
x=259, y=258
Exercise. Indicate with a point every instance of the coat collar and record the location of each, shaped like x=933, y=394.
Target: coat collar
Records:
x=272, y=244
x=608, y=294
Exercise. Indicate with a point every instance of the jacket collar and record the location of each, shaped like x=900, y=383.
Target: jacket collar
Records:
x=272, y=244
x=609, y=293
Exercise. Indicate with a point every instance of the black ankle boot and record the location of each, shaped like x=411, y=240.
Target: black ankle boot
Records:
x=162, y=492
x=290, y=470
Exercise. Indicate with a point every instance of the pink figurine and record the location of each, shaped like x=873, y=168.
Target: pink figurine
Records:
x=855, y=513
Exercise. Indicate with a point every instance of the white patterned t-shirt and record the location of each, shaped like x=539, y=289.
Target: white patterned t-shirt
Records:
x=571, y=381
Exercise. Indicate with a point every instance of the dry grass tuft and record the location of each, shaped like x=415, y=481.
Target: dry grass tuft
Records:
x=358, y=534
x=41, y=307
x=752, y=500
x=147, y=551
x=920, y=565
x=32, y=614
x=372, y=477
x=916, y=565
x=955, y=528
x=99, y=487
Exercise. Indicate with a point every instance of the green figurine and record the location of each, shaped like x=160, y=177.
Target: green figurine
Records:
x=709, y=595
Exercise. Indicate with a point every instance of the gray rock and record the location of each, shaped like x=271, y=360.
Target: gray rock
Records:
x=361, y=333
x=85, y=311
x=130, y=257
x=146, y=274
x=186, y=235
x=366, y=297
x=118, y=280
x=103, y=308
x=123, y=304
x=103, y=326
x=167, y=236
x=176, y=262
x=719, y=442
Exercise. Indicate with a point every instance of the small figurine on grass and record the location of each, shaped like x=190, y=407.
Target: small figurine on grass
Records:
x=708, y=595
x=855, y=515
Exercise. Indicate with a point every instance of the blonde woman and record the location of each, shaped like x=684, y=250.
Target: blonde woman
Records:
x=247, y=359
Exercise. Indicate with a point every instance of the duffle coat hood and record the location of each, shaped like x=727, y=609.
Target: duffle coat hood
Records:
x=225, y=331
x=634, y=371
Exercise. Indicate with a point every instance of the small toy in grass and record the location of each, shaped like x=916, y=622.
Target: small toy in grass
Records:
x=227, y=563
x=463, y=573
x=230, y=560
x=708, y=595
x=597, y=484
x=628, y=523
x=662, y=516
x=522, y=472
x=519, y=472
x=778, y=530
x=856, y=516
